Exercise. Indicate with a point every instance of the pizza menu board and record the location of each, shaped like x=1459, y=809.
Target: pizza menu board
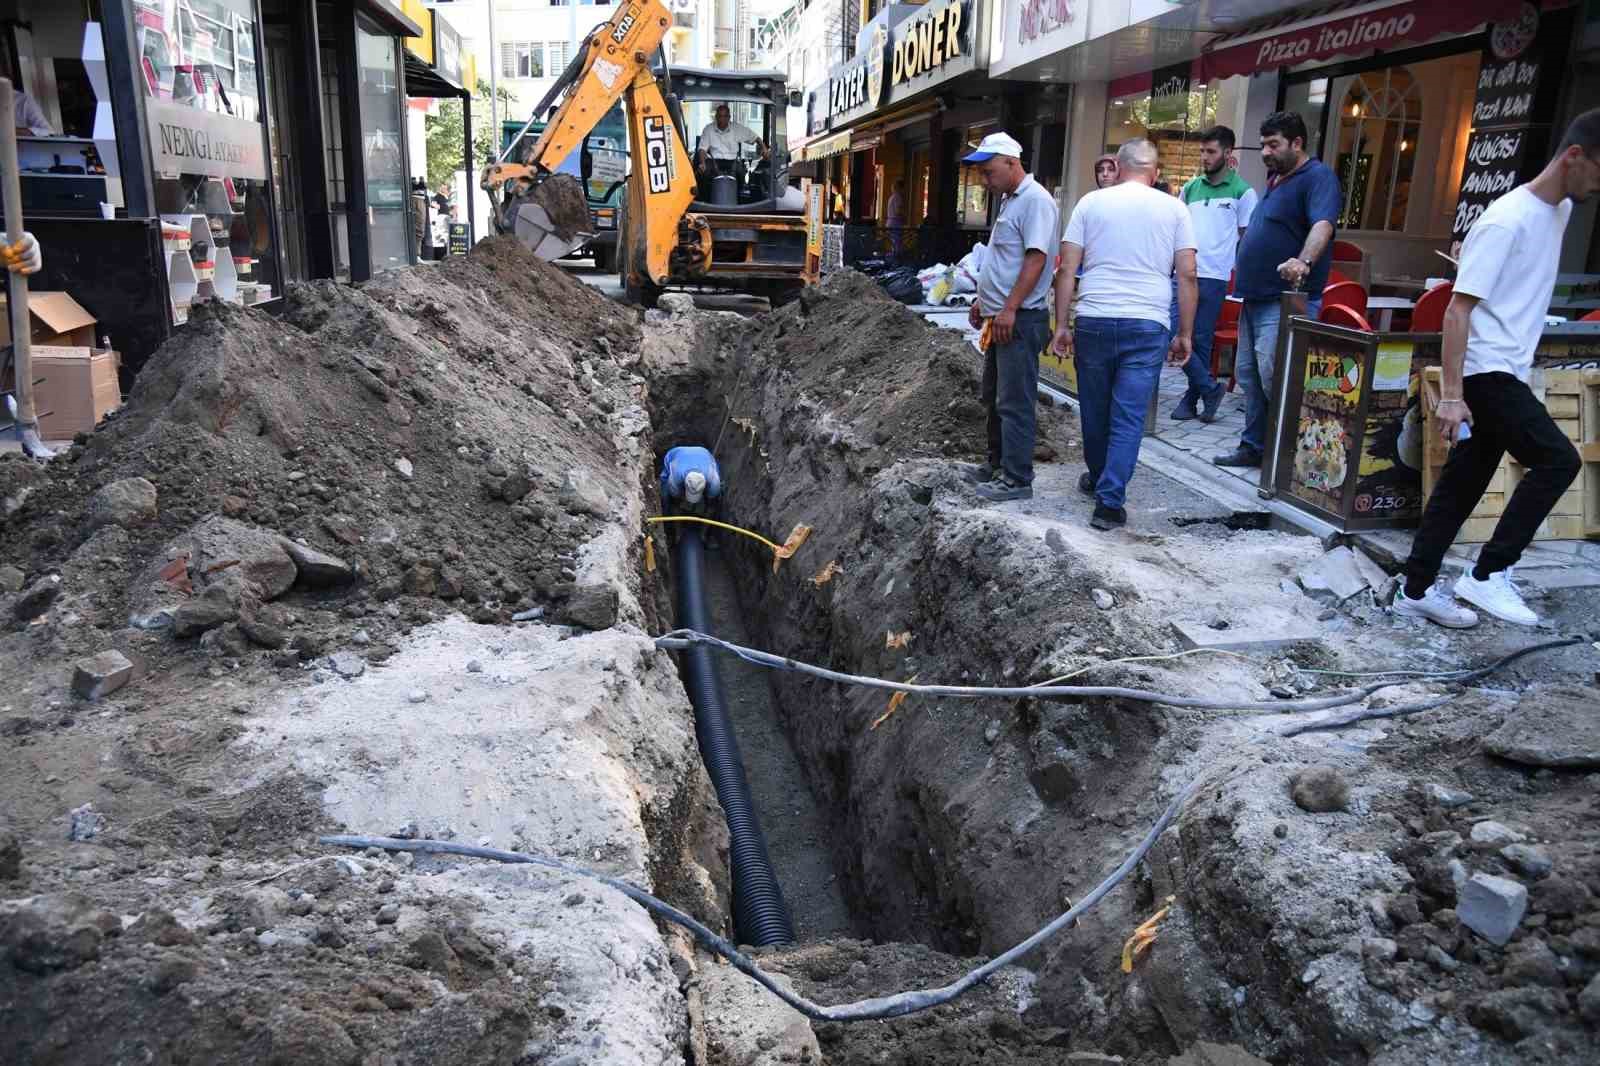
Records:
x=1511, y=110
x=1389, y=478
x=1330, y=424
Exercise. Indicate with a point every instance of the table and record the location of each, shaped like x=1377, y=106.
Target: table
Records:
x=1416, y=285
x=1386, y=306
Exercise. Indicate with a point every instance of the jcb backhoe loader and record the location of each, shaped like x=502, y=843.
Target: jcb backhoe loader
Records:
x=731, y=223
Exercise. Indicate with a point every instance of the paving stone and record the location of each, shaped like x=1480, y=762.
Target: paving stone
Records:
x=1243, y=635
x=102, y=675
x=1492, y=906
x=1555, y=727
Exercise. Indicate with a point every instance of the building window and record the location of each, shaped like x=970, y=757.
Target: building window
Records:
x=1380, y=121
x=522, y=59
x=559, y=3
x=560, y=55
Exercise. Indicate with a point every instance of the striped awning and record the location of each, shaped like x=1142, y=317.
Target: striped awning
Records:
x=823, y=147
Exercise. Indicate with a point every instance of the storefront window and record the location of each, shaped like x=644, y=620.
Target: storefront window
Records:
x=1174, y=131
x=972, y=195
x=1380, y=120
x=208, y=149
x=385, y=167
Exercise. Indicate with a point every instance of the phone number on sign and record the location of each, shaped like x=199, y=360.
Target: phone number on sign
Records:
x=1366, y=502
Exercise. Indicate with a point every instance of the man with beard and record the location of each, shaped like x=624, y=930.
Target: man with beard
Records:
x=1289, y=241
x=1220, y=203
x=1491, y=329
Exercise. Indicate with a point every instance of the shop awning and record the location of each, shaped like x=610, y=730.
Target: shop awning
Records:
x=823, y=147
x=424, y=81
x=1346, y=30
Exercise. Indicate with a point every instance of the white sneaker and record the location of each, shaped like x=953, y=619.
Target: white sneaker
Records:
x=1498, y=596
x=1436, y=606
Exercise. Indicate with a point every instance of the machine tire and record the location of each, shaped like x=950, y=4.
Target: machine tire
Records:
x=604, y=258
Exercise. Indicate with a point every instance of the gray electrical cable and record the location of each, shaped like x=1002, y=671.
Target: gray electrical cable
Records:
x=680, y=639
x=892, y=1006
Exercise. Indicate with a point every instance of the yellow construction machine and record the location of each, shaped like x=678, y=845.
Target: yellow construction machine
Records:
x=687, y=220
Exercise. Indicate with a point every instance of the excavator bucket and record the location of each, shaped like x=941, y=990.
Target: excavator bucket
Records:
x=552, y=219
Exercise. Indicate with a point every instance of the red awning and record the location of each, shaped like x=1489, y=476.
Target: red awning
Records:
x=1383, y=28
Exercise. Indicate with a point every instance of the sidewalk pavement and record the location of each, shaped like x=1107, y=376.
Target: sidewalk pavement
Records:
x=1183, y=450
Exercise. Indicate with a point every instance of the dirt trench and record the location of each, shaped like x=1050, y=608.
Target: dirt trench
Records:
x=963, y=826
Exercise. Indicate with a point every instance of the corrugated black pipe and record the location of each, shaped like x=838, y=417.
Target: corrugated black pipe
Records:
x=760, y=916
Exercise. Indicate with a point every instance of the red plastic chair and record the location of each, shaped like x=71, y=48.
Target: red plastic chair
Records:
x=1340, y=315
x=1226, y=336
x=1335, y=278
x=1428, y=315
x=1346, y=294
x=1592, y=316
x=1352, y=258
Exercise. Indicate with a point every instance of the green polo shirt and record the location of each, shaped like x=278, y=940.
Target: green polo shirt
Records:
x=1219, y=212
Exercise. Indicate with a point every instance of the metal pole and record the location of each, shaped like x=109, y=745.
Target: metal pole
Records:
x=494, y=89
x=472, y=190
x=26, y=415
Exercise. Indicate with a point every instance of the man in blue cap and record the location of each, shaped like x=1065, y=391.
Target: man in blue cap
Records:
x=690, y=479
x=1011, y=311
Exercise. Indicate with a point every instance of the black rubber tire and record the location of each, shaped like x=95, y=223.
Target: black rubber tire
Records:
x=604, y=258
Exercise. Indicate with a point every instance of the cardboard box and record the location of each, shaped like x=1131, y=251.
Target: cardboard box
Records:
x=78, y=389
x=58, y=319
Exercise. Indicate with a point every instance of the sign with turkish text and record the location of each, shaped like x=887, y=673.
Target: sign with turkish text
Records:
x=447, y=50
x=186, y=140
x=1034, y=29
x=1169, y=95
x=928, y=41
x=1511, y=111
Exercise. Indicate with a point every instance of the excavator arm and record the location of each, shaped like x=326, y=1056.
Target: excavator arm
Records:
x=547, y=211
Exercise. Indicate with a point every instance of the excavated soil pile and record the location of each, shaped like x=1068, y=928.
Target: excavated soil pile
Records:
x=226, y=624
x=1304, y=932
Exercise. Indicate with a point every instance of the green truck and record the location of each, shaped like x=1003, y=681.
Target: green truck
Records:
x=602, y=166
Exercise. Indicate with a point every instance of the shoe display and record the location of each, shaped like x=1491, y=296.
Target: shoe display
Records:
x=1000, y=490
x=1436, y=606
x=1497, y=595
x=1208, y=413
x=1108, y=517
x=1240, y=456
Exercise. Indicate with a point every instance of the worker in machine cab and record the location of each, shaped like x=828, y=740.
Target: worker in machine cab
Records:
x=690, y=480
x=720, y=141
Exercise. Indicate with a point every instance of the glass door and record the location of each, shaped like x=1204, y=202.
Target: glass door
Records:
x=384, y=164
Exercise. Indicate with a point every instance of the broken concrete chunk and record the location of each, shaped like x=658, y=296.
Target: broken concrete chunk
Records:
x=594, y=606
x=1490, y=832
x=217, y=605
x=11, y=579
x=1556, y=727
x=1319, y=789
x=37, y=599
x=126, y=503
x=1376, y=577
x=316, y=568
x=582, y=494
x=1103, y=599
x=1449, y=798
x=1333, y=578
x=102, y=675
x=86, y=823
x=1527, y=859
x=1492, y=906
x=348, y=665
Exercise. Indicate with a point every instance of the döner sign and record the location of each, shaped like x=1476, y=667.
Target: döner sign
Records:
x=929, y=41
x=185, y=140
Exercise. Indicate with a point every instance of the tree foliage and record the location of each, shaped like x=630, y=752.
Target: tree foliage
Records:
x=446, y=133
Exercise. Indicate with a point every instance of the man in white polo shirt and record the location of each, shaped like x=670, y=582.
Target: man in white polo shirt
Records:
x=1220, y=203
x=1011, y=310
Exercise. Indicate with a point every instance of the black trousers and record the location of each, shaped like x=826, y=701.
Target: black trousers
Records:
x=1506, y=417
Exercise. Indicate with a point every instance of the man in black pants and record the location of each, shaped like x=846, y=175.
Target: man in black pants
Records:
x=1491, y=328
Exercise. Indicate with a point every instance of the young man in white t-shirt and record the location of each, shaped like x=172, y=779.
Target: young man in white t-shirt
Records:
x=1130, y=239
x=1491, y=329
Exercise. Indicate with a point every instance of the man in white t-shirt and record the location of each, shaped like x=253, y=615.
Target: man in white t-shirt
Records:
x=1491, y=329
x=1130, y=239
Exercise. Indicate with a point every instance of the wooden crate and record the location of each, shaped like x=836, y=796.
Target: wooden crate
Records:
x=1573, y=398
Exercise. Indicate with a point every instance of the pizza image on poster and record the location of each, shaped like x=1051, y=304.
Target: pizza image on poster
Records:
x=1327, y=429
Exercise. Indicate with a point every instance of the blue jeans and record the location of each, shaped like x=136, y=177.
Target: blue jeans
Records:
x=1011, y=394
x=1207, y=309
x=1254, y=362
x=1119, y=367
